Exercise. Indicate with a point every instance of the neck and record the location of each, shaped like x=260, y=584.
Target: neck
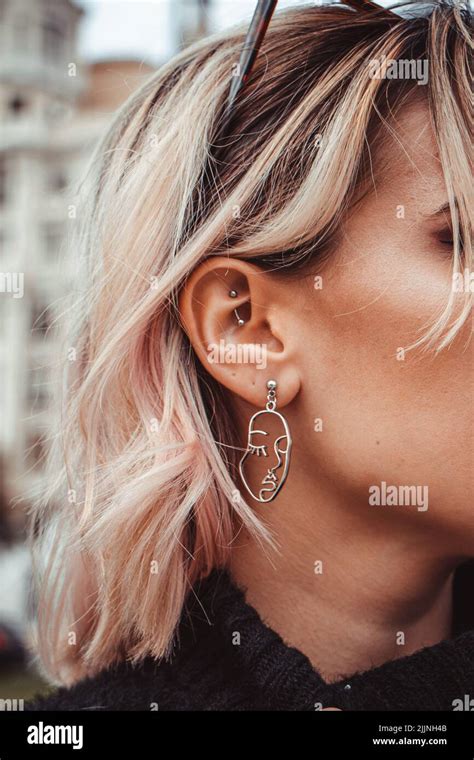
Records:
x=350, y=589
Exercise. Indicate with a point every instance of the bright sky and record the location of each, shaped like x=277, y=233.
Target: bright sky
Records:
x=145, y=29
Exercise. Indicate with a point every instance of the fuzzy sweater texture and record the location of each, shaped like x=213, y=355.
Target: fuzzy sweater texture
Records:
x=226, y=658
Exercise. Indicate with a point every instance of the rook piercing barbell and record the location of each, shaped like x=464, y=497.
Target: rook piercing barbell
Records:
x=240, y=321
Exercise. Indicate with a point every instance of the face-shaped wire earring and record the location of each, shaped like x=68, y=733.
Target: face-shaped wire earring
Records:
x=276, y=445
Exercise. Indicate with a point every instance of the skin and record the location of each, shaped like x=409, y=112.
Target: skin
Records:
x=386, y=570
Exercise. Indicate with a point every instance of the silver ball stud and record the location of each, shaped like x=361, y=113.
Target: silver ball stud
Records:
x=233, y=293
x=271, y=385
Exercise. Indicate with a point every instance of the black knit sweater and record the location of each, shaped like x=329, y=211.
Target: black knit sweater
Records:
x=226, y=658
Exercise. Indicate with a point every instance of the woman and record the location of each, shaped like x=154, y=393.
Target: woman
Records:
x=265, y=499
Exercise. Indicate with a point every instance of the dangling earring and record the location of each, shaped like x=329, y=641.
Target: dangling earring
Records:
x=279, y=452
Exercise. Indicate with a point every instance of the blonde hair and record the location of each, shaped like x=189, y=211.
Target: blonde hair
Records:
x=141, y=497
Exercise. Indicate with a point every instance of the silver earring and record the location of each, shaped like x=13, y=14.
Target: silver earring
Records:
x=279, y=453
x=240, y=321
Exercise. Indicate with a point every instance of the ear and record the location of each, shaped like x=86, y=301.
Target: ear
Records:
x=242, y=357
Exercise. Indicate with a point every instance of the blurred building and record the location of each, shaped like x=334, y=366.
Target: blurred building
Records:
x=52, y=110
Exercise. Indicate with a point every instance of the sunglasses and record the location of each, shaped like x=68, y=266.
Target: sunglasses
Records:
x=256, y=33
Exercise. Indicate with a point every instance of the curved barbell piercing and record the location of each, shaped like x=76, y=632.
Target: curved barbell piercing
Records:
x=240, y=321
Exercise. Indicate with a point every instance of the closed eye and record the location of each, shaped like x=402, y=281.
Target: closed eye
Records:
x=446, y=237
x=258, y=450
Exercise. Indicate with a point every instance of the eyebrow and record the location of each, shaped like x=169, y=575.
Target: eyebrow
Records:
x=442, y=210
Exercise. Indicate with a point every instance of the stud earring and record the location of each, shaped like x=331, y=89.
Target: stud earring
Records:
x=275, y=476
x=240, y=321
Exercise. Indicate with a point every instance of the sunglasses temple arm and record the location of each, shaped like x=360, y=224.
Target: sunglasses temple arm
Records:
x=256, y=33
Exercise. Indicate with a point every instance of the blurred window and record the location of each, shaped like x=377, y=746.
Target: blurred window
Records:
x=17, y=105
x=57, y=179
x=40, y=319
x=53, y=38
x=52, y=239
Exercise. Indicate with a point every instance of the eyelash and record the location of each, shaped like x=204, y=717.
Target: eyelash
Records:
x=446, y=237
x=258, y=450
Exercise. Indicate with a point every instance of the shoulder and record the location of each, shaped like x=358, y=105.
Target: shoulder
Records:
x=120, y=687
x=203, y=672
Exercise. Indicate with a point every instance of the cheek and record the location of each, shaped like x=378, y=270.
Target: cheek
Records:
x=402, y=417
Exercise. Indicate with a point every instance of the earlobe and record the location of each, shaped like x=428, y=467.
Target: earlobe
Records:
x=226, y=309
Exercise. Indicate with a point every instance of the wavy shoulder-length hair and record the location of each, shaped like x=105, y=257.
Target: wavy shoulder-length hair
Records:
x=141, y=499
